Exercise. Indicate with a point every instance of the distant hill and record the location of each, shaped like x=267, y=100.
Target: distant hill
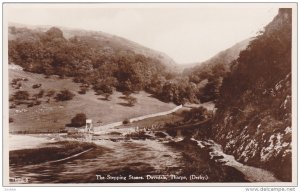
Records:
x=222, y=58
x=210, y=73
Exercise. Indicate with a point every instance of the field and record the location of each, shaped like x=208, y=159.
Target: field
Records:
x=53, y=115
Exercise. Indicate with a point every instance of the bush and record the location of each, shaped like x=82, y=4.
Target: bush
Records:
x=64, y=95
x=37, y=102
x=126, y=121
x=41, y=93
x=11, y=98
x=199, y=113
x=31, y=104
x=21, y=95
x=131, y=100
x=82, y=90
x=50, y=93
x=12, y=106
x=79, y=120
x=35, y=86
x=107, y=96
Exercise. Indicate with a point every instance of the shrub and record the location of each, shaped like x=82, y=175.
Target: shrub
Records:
x=79, y=120
x=107, y=96
x=64, y=95
x=21, y=95
x=12, y=106
x=50, y=93
x=82, y=90
x=126, y=121
x=199, y=113
x=11, y=98
x=41, y=93
x=37, y=102
x=14, y=81
x=31, y=104
x=131, y=100
x=35, y=86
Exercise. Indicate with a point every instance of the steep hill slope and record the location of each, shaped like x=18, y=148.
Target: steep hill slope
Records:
x=209, y=74
x=222, y=58
x=53, y=115
x=253, y=120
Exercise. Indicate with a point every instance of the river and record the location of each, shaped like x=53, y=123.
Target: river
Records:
x=130, y=160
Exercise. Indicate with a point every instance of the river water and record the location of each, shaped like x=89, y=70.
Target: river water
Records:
x=129, y=160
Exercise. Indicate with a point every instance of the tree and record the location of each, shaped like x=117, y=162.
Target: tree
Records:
x=126, y=93
x=199, y=113
x=211, y=90
x=131, y=100
x=50, y=93
x=83, y=90
x=54, y=32
x=64, y=95
x=106, y=96
x=79, y=120
x=41, y=93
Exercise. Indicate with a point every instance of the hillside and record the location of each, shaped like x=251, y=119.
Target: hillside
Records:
x=253, y=120
x=54, y=115
x=208, y=76
x=105, y=39
x=222, y=58
x=102, y=61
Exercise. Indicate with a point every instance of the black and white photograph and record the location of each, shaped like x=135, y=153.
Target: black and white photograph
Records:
x=192, y=94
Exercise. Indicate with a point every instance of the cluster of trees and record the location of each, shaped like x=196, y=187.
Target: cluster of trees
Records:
x=84, y=59
x=78, y=120
x=24, y=97
x=105, y=68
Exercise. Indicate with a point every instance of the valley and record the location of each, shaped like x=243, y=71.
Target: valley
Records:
x=90, y=107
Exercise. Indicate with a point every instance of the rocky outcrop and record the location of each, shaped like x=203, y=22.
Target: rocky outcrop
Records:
x=253, y=120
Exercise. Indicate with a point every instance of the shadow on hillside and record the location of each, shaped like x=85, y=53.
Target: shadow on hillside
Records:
x=125, y=104
x=103, y=99
x=123, y=97
x=158, y=98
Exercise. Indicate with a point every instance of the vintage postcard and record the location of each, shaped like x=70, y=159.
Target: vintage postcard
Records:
x=152, y=94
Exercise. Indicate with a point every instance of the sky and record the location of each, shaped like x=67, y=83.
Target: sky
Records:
x=186, y=32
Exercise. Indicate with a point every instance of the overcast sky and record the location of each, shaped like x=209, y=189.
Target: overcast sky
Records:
x=187, y=33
